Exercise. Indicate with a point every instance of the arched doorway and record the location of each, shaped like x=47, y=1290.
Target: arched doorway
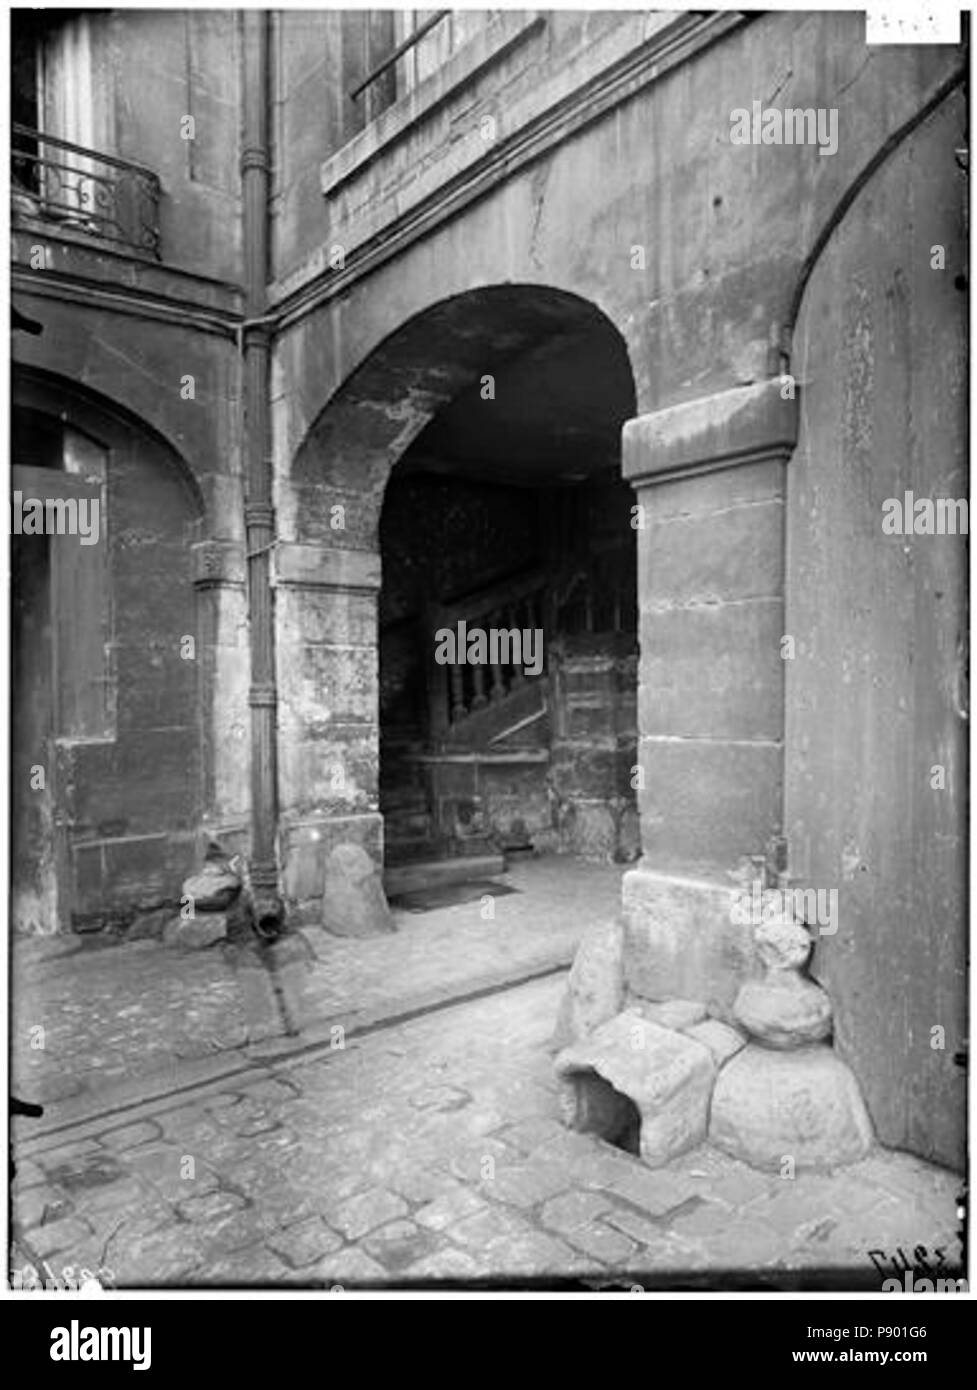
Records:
x=507, y=517
x=476, y=454
x=107, y=781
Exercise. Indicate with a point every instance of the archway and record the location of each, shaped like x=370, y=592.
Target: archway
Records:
x=477, y=454
x=106, y=714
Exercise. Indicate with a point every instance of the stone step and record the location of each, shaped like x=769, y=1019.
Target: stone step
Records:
x=405, y=824
x=410, y=878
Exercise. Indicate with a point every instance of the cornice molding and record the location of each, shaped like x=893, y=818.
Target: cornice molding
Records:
x=743, y=425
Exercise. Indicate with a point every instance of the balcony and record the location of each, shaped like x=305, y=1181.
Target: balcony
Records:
x=60, y=187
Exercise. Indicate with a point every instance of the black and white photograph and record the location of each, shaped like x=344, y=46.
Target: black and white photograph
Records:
x=487, y=664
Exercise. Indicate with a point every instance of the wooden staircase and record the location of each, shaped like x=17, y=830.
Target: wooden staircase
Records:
x=478, y=717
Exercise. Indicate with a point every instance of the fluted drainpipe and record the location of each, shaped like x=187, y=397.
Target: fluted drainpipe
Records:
x=259, y=517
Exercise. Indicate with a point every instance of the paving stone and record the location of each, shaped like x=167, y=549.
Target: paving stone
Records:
x=234, y=1230
x=526, y=1184
x=166, y=1169
x=64, y=1237
x=609, y=1246
x=440, y=1098
x=208, y=1206
x=573, y=1209
x=698, y=1217
x=253, y=1267
x=364, y=1212
x=533, y=1255
x=305, y=1242
x=39, y=1204
x=471, y=1164
x=286, y=1207
x=269, y=1088
x=126, y=1194
x=528, y=1135
x=169, y=1259
x=654, y=1191
x=741, y=1185
x=586, y=1160
x=67, y=1156
x=643, y=1229
x=29, y=1173
x=484, y=1122
x=673, y=1259
x=351, y=1268
x=130, y=1136
x=794, y=1205
x=742, y=1244
x=904, y=1176
x=107, y=1216
x=222, y=1100
x=89, y=1172
x=494, y=1223
x=448, y=1208
x=423, y=1184
x=447, y=1263
x=259, y=1124
x=399, y=1244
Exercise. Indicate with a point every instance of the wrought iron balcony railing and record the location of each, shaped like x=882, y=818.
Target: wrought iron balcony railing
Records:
x=82, y=190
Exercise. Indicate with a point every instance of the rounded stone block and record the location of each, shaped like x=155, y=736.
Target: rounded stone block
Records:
x=595, y=986
x=784, y=1010
x=196, y=933
x=805, y=1104
x=353, y=900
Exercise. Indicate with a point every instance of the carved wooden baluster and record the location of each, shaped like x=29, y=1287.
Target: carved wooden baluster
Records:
x=498, y=681
x=512, y=621
x=479, y=698
x=456, y=677
x=531, y=622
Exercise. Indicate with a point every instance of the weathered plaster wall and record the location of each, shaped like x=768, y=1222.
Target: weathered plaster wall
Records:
x=724, y=228
x=176, y=573
x=151, y=68
x=874, y=694
x=318, y=58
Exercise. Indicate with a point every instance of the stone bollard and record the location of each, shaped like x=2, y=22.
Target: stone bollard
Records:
x=787, y=1095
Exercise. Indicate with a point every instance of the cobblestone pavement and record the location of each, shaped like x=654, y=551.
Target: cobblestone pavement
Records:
x=431, y=1151
x=117, y=1015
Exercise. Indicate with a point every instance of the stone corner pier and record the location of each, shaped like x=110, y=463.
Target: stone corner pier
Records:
x=687, y=1019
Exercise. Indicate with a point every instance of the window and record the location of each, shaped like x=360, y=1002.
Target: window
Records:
x=421, y=42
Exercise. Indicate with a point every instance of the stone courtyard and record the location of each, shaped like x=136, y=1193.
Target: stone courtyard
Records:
x=429, y=1148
